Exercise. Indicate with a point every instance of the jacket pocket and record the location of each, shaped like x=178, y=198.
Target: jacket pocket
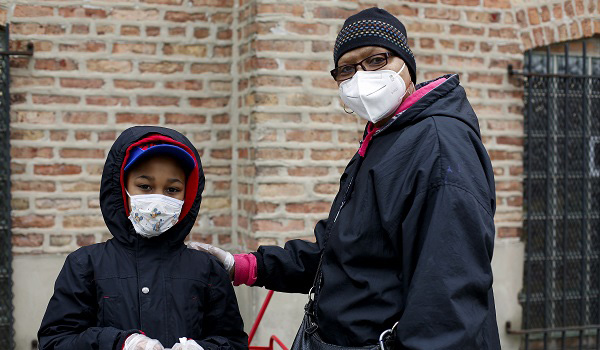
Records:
x=110, y=308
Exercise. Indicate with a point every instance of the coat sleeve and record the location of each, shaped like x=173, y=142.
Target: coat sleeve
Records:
x=223, y=328
x=70, y=319
x=447, y=243
x=290, y=269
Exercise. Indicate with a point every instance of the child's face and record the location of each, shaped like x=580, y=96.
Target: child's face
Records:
x=157, y=175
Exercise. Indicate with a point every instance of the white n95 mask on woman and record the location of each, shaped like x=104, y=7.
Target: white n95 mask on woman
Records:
x=153, y=214
x=373, y=95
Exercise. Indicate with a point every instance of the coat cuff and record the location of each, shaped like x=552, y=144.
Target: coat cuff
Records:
x=123, y=336
x=245, y=269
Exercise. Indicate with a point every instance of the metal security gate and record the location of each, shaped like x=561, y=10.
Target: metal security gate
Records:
x=6, y=306
x=560, y=296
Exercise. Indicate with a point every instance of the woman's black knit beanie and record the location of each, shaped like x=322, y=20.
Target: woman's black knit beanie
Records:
x=375, y=27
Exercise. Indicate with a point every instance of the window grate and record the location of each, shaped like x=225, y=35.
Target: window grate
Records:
x=6, y=296
x=561, y=289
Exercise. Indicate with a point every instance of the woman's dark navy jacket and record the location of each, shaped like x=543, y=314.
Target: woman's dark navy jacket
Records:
x=413, y=244
x=98, y=299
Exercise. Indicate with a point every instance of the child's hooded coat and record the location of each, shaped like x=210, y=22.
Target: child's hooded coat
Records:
x=130, y=284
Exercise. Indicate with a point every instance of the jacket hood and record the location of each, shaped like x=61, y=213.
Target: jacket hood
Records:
x=448, y=99
x=112, y=189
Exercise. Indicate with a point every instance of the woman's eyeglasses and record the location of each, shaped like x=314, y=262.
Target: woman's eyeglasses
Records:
x=373, y=62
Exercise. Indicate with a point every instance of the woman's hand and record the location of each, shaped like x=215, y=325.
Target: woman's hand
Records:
x=224, y=257
x=138, y=341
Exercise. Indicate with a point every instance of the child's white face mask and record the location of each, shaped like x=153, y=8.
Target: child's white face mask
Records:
x=153, y=214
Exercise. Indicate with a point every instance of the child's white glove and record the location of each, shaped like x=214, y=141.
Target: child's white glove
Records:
x=226, y=258
x=138, y=341
x=187, y=344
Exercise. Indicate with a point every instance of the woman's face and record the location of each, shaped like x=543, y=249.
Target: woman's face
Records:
x=156, y=175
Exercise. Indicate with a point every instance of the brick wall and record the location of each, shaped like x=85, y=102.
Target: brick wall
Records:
x=98, y=68
x=247, y=81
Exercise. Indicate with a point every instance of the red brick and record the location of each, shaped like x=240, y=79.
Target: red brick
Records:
x=501, y=4
x=82, y=12
x=163, y=2
x=107, y=101
x=27, y=240
x=308, y=136
x=442, y=13
x=80, y=29
x=224, y=34
x=174, y=16
x=569, y=10
x=483, y=17
x=29, y=135
x=280, y=190
x=279, y=45
x=83, y=135
x=148, y=49
x=213, y=3
x=36, y=29
x=199, y=68
x=56, y=169
x=212, y=102
x=81, y=153
x=308, y=171
x=557, y=11
x=32, y=11
x=85, y=118
x=504, y=33
x=185, y=50
x=279, y=153
x=81, y=83
x=137, y=118
x=157, y=101
x=29, y=221
x=534, y=18
x=52, y=99
x=277, y=225
x=109, y=66
x=330, y=12
x=134, y=14
x=103, y=29
x=18, y=82
x=310, y=100
x=163, y=67
x=184, y=85
x=33, y=186
x=308, y=207
x=200, y=33
x=55, y=64
x=506, y=232
x=84, y=46
x=332, y=154
x=510, y=48
x=462, y=2
x=133, y=84
x=326, y=188
x=307, y=28
x=33, y=117
x=130, y=30
x=152, y=31
x=462, y=30
x=175, y=118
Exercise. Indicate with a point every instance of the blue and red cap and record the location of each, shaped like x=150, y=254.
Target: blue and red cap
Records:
x=152, y=149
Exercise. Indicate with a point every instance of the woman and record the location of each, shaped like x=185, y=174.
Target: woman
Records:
x=409, y=237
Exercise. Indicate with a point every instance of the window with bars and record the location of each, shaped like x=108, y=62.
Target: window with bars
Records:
x=560, y=296
x=6, y=306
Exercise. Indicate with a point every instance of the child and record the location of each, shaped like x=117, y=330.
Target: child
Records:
x=143, y=288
